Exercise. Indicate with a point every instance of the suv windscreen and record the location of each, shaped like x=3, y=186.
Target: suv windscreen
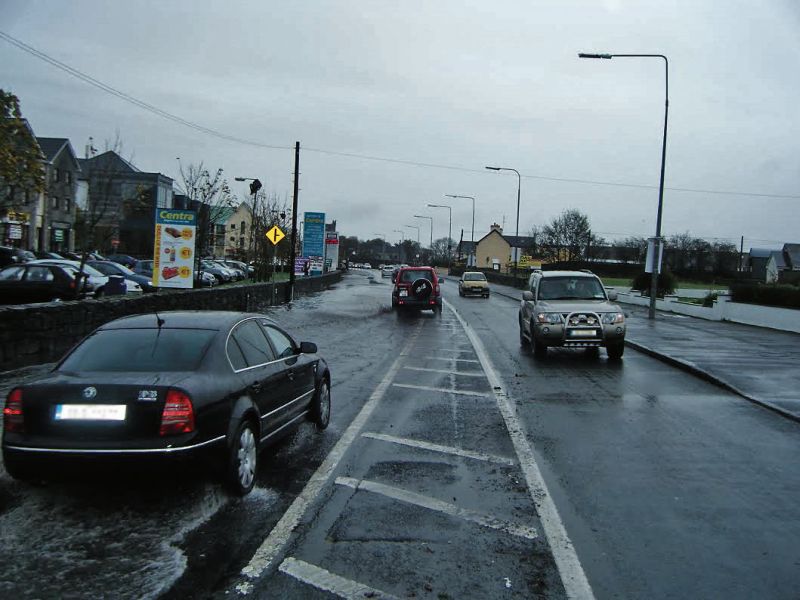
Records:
x=409, y=276
x=571, y=288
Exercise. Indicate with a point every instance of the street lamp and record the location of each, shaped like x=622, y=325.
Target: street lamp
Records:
x=449, y=227
x=431, y=220
x=255, y=185
x=656, y=264
x=472, y=237
x=519, y=188
x=414, y=227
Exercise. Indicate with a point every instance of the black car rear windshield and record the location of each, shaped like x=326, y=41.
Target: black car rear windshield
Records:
x=137, y=350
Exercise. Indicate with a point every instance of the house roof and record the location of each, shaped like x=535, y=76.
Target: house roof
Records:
x=465, y=246
x=792, y=254
x=109, y=161
x=760, y=252
x=52, y=147
x=520, y=241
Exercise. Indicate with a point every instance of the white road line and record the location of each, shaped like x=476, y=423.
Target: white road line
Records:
x=273, y=545
x=466, y=360
x=447, y=372
x=330, y=582
x=442, y=390
x=439, y=506
x=438, y=448
x=569, y=566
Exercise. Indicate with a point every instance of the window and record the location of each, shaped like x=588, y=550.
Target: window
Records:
x=39, y=274
x=233, y=239
x=235, y=355
x=67, y=204
x=68, y=176
x=474, y=277
x=241, y=241
x=233, y=226
x=284, y=347
x=571, y=288
x=12, y=274
x=54, y=202
x=56, y=174
x=241, y=226
x=252, y=343
x=141, y=350
x=410, y=276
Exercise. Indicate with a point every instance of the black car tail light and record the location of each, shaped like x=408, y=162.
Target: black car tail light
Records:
x=13, y=418
x=178, y=414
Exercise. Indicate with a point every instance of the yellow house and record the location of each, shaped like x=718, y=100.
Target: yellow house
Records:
x=238, y=231
x=496, y=251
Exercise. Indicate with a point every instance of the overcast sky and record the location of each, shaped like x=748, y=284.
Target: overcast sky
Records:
x=456, y=83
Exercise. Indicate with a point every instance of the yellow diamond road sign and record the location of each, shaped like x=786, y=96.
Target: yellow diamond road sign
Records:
x=275, y=235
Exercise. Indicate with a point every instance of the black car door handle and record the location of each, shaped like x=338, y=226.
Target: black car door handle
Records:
x=290, y=375
x=256, y=387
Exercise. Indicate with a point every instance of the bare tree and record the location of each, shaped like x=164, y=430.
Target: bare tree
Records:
x=210, y=196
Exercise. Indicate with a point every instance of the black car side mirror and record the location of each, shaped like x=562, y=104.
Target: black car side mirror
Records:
x=308, y=348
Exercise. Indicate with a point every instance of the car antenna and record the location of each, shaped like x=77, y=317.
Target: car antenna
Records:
x=159, y=320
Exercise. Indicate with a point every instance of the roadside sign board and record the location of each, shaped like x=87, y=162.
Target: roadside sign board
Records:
x=313, y=234
x=275, y=235
x=15, y=232
x=173, y=251
x=655, y=250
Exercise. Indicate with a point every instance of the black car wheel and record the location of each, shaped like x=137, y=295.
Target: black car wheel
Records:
x=243, y=460
x=321, y=406
x=615, y=350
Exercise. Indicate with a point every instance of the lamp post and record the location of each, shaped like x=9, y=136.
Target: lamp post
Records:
x=656, y=264
x=431, y=220
x=519, y=189
x=449, y=228
x=472, y=236
x=255, y=185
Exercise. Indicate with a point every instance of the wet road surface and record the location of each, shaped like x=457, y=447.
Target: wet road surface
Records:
x=666, y=486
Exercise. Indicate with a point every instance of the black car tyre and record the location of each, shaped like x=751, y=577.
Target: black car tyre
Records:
x=320, y=413
x=615, y=350
x=243, y=460
x=539, y=349
x=18, y=467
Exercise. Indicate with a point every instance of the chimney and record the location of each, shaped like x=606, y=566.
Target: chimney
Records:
x=497, y=228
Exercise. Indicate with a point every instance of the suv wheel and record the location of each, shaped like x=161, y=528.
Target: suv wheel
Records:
x=539, y=349
x=615, y=350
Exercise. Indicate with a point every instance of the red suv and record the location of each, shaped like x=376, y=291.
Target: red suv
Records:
x=417, y=288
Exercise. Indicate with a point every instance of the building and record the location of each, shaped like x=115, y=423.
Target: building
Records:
x=791, y=257
x=236, y=231
x=121, y=204
x=56, y=225
x=496, y=251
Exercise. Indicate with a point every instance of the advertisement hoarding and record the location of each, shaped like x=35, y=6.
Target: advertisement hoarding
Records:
x=331, y=250
x=313, y=234
x=173, y=251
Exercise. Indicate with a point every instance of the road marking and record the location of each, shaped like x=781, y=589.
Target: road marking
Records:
x=569, y=566
x=466, y=360
x=329, y=582
x=437, y=505
x=277, y=539
x=447, y=372
x=442, y=390
x=438, y=448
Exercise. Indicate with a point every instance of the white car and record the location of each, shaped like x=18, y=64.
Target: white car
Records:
x=387, y=270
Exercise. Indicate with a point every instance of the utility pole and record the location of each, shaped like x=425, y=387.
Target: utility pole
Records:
x=293, y=251
x=741, y=255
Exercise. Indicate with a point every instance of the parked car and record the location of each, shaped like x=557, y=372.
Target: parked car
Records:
x=144, y=267
x=107, y=267
x=570, y=309
x=176, y=384
x=473, y=283
x=235, y=273
x=43, y=254
x=98, y=280
x=248, y=270
x=204, y=279
x=27, y=283
x=222, y=274
x=122, y=259
x=10, y=256
x=417, y=288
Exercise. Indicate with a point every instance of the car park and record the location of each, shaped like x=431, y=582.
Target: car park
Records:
x=417, y=288
x=27, y=283
x=570, y=309
x=473, y=283
x=218, y=385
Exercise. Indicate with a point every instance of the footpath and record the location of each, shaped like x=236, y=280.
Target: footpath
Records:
x=757, y=363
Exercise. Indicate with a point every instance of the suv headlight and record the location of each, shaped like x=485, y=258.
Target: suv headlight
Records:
x=613, y=318
x=550, y=318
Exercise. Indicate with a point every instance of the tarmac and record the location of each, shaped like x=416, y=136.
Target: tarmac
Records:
x=759, y=364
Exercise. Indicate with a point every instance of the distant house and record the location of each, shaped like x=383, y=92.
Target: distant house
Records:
x=237, y=225
x=496, y=251
x=121, y=203
x=62, y=169
x=791, y=255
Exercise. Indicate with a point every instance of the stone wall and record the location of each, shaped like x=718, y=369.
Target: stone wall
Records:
x=34, y=334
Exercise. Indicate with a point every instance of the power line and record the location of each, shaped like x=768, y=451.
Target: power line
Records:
x=202, y=129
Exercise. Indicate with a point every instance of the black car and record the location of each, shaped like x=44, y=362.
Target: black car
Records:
x=10, y=256
x=110, y=268
x=122, y=259
x=26, y=283
x=172, y=385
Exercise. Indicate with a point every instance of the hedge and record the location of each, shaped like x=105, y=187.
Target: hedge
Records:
x=782, y=295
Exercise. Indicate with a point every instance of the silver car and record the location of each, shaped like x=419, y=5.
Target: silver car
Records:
x=570, y=309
